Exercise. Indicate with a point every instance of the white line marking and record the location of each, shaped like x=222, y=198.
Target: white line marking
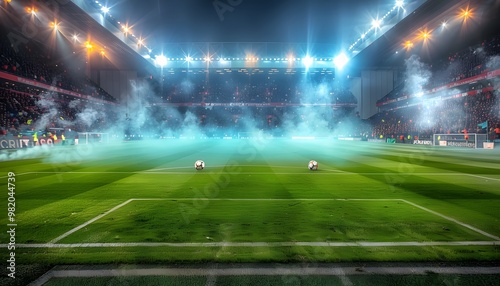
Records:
x=481, y=177
x=21, y=174
x=290, y=270
x=454, y=220
x=258, y=244
x=257, y=199
x=88, y=222
x=328, y=172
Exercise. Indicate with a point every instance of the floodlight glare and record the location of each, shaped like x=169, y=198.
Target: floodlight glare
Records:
x=188, y=59
x=399, y=3
x=376, y=23
x=307, y=60
x=161, y=60
x=105, y=9
x=340, y=61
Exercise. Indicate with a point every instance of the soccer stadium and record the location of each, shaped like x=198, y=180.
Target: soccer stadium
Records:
x=238, y=142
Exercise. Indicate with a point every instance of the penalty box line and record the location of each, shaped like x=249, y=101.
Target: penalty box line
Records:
x=55, y=240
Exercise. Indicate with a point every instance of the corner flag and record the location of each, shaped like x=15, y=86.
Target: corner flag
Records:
x=483, y=125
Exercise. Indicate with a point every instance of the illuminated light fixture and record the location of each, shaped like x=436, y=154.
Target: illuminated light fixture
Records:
x=376, y=23
x=75, y=38
x=465, y=13
x=188, y=59
x=341, y=60
x=31, y=10
x=161, y=60
x=102, y=52
x=207, y=59
x=425, y=35
x=399, y=3
x=54, y=25
x=408, y=45
x=105, y=9
x=307, y=60
x=140, y=42
x=88, y=45
x=443, y=25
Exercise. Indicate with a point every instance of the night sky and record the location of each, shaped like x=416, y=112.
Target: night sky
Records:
x=317, y=21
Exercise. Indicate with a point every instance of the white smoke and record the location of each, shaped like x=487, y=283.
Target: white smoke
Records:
x=418, y=75
x=50, y=111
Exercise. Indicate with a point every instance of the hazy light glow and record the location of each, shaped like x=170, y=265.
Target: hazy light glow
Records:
x=376, y=23
x=161, y=60
x=408, y=45
x=341, y=60
x=105, y=9
x=307, y=60
x=399, y=3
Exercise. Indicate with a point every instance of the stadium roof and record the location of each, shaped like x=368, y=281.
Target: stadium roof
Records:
x=336, y=24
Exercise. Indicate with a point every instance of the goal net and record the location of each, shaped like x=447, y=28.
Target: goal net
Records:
x=92, y=137
x=471, y=140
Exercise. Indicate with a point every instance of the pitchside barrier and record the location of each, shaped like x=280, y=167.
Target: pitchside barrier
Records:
x=471, y=140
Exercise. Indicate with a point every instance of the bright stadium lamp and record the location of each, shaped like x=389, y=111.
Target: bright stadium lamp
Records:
x=161, y=60
x=307, y=60
x=105, y=9
x=376, y=23
x=340, y=61
x=400, y=3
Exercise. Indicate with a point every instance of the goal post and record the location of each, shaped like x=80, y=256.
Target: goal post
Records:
x=92, y=137
x=471, y=140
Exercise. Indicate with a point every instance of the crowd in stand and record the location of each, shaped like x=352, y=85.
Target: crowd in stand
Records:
x=261, y=86
x=440, y=117
x=32, y=61
x=274, y=97
x=470, y=62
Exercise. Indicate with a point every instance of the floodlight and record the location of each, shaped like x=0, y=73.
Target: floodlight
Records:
x=105, y=9
x=376, y=23
x=307, y=60
x=188, y=59
x=399, y=3
x=161, y=60
x=341, y=60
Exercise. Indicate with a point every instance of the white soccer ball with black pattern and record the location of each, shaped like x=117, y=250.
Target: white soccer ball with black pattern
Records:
x=313, y=165
x=199, y=165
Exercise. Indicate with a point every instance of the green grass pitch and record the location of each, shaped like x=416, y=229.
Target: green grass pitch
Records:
x=256, y=201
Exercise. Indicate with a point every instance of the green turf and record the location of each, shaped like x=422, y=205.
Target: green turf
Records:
x=255, y=191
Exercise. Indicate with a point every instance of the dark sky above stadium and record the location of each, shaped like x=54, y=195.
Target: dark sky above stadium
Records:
x=317, y=21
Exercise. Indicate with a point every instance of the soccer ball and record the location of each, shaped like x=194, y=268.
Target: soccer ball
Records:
x=199, y=165
x=313, y=165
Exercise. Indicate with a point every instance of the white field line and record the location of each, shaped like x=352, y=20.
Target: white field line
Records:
x=330, y=172
x=89, y=222
x=482, y=177
x=258, y=244
x=294, y=270
x=52, y=242
x=454, y=220
x=20, y=174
